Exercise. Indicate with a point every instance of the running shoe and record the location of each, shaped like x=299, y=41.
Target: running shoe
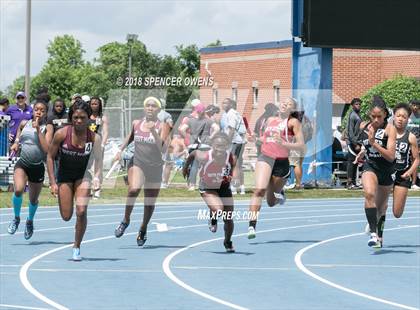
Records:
x=141, y=238
x=379, y=244
x=229, y=246
x=251, y=232
x=242, y=190
x=13, y=226
x=119, y=231
x=76, y=255
x=373, y=240
x=29, y=229
x=212, y=228
x=96, y=194
x=281, y=197
x=233, y=190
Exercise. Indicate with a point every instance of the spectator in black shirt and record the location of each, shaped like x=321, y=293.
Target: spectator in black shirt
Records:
x=353, y=125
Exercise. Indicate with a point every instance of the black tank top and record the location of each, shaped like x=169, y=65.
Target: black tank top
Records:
x=374, y=158
x=403, y=152
x=73, y=159
x=94, y=124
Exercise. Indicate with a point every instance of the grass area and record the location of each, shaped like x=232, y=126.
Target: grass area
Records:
x=115, y=192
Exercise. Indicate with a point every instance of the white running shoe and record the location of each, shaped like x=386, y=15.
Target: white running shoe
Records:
x=96, y=194
x=373, y=240
x=251, y=232
x=233, y=189
x=242, y=188
x=281, y=197
x=191, y=188
x=76, y=255
x=164, y=185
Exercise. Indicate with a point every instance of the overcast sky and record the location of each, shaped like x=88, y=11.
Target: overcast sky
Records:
x=159, y=24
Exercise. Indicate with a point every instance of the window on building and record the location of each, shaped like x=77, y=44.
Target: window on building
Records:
x=215, y=93
x=276, y=95
x=234, y=93
x=255, y=97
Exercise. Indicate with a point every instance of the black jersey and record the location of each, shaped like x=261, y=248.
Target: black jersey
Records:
x=403, y=152
x=94, y=124
x=373, y=157
x=74, y=161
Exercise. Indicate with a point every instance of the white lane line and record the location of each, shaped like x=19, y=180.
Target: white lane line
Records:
x=361, y=266
x=318, y=204
x=232, y=268
x=192, y=217
x=23, y=274
x=22, y=307
x=167, y=261
x=97, y=270
x=301, y=266
x=191, y=204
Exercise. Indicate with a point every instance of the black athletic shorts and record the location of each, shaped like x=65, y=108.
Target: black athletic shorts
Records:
x=152, y=174
x=385, y=176
x=399, y=181
x=72, y=176
x=280, y=167
x=223, y=191
x=35, y=173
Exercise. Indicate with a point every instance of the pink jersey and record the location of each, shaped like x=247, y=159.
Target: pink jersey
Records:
x=270, y=146
x=212, y=174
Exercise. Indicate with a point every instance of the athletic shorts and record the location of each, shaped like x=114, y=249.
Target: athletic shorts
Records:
x=152, y=174
x=280, y=167
x=399, y=181
x=224, y=191
x=237, y=151
x=385, y=176
x=73, y=176
x=35, y=173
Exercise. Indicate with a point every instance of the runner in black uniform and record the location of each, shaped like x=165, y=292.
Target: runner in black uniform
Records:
x=378, y=138
x=75, y=144
x=407, y=158
x=145, y=169
x=216, y=166
x=30, y=166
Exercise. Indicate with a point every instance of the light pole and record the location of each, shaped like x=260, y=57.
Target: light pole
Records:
x=28, y=51
x=130, y=39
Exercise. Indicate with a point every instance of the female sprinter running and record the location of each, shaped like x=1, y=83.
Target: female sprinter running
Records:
x=272, y=168
x=98, y=123
x=378, y=138
x=145, y=168
x=216, y=166
x=407, y=158
x=75, y=144
x=30, y=166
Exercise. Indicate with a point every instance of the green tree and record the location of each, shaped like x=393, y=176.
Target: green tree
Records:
x=393, y=91
x=17, y=85
x=61, y=73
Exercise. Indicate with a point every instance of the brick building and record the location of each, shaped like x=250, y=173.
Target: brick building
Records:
x=255, y=74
